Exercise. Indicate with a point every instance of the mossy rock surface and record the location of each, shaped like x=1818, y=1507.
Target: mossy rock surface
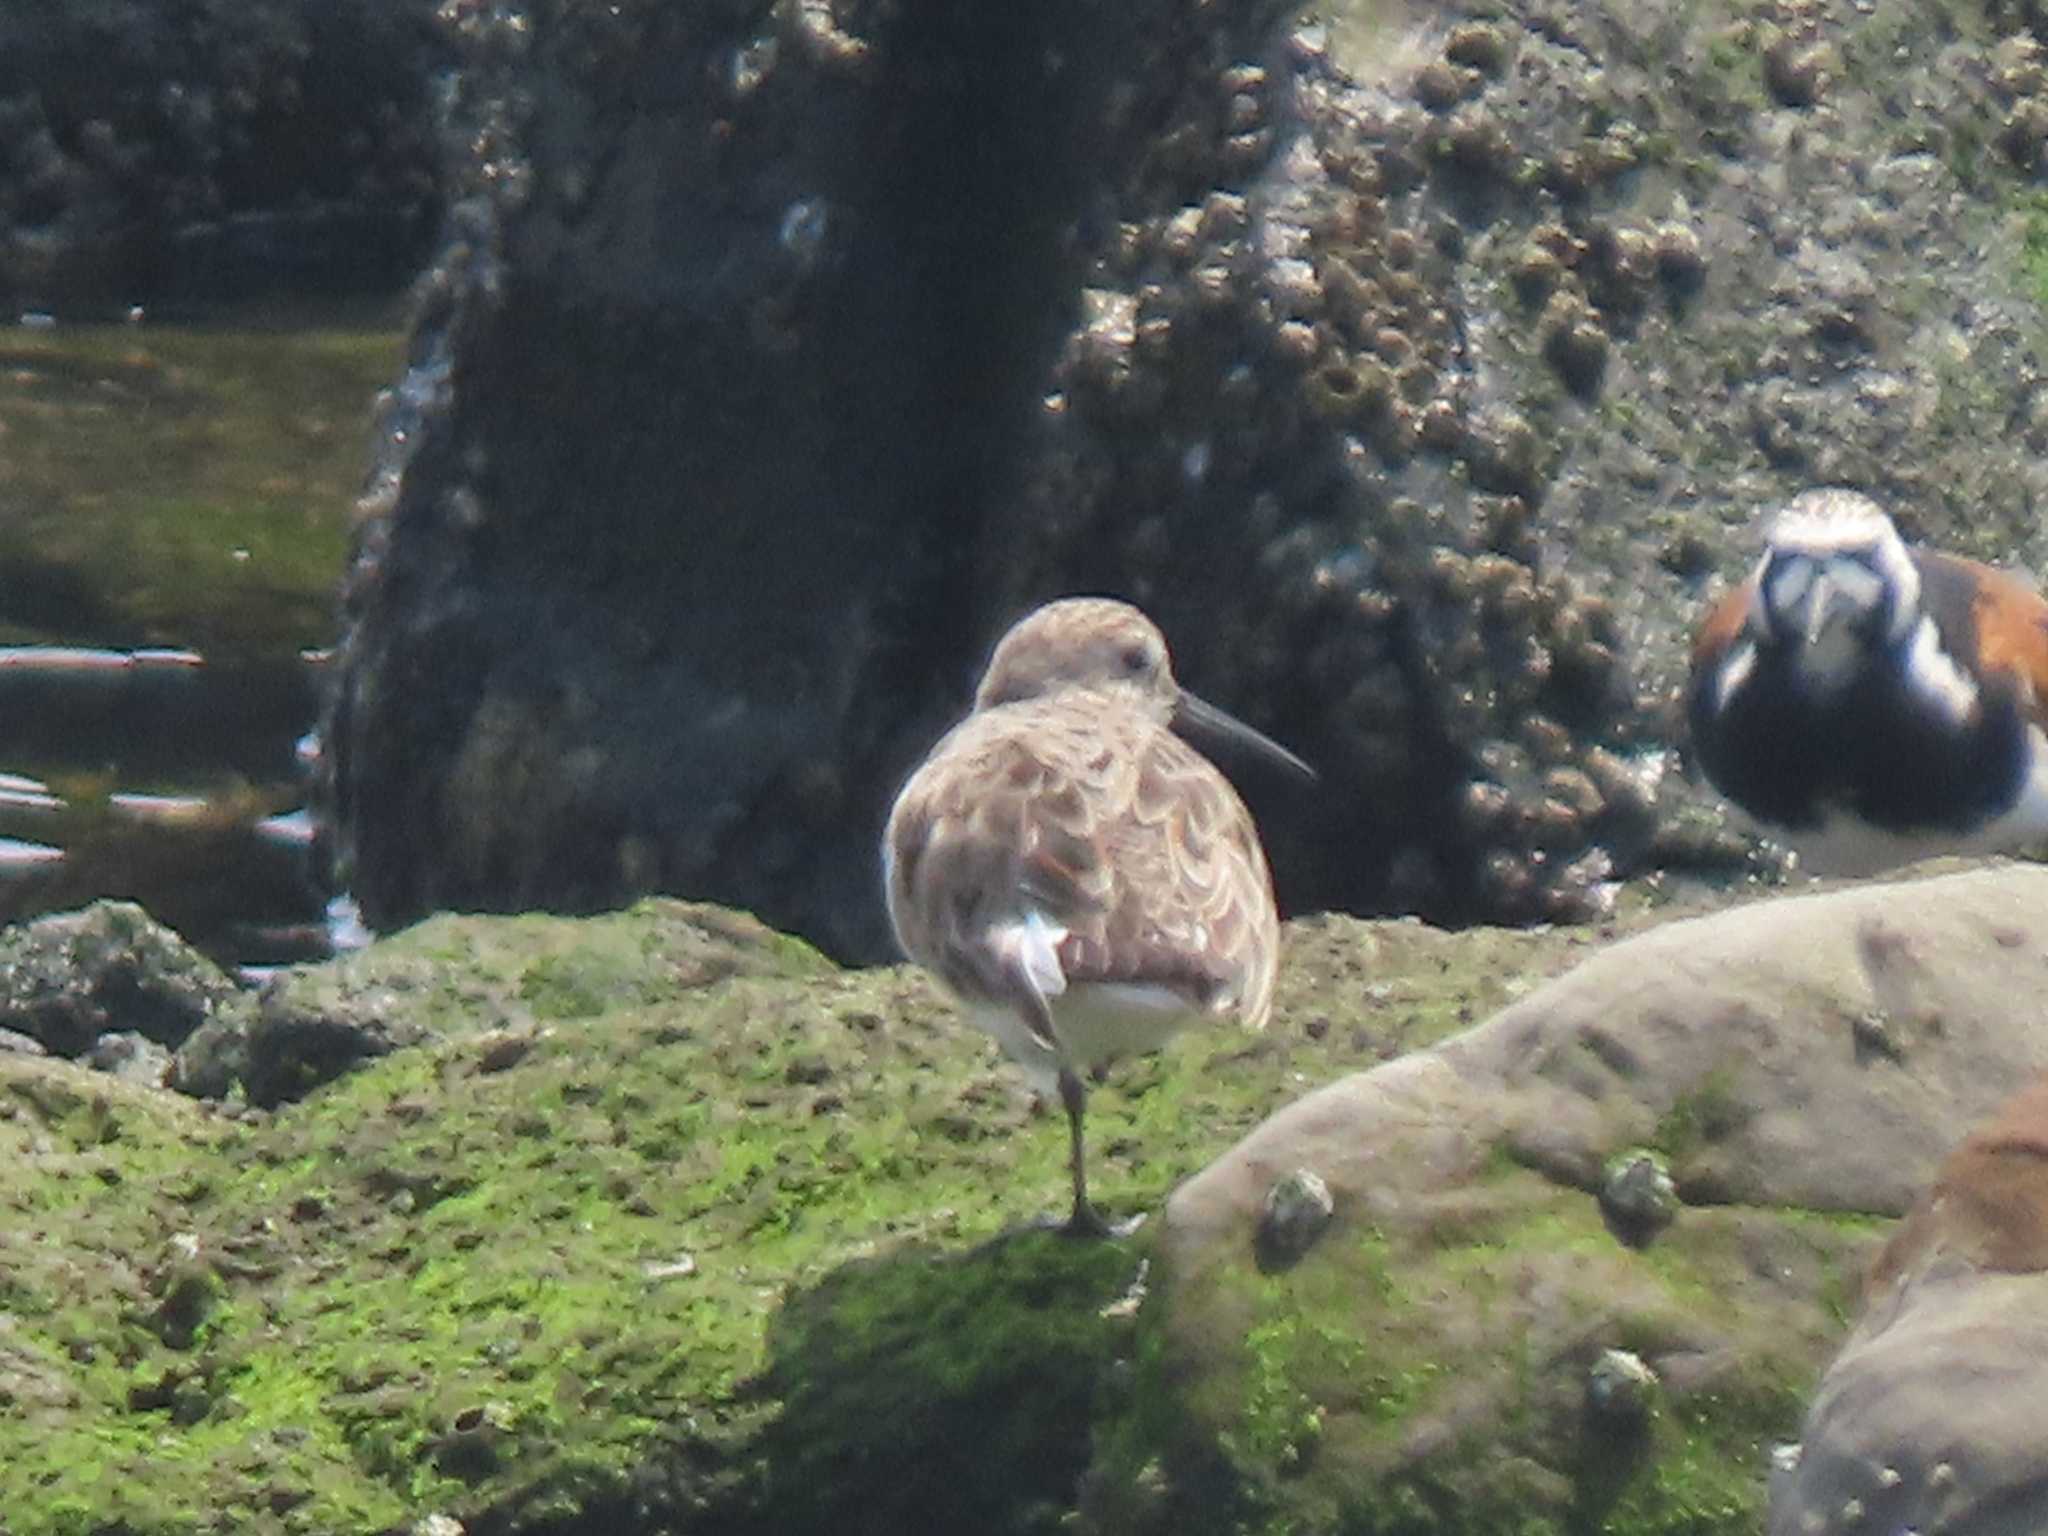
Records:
x=739, y=1242
x=653, y=1221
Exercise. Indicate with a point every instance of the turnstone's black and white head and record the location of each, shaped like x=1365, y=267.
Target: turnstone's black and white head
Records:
x=1871, y=704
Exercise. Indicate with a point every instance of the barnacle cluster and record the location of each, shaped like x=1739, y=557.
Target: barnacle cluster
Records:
x=1273, y=371
x=1488, y=665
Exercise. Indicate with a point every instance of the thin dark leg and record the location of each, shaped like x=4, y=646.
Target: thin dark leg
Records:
x=1085, y=1222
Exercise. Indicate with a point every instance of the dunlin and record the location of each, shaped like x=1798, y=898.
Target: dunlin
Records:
x=1869, y=703
x=1079, y=876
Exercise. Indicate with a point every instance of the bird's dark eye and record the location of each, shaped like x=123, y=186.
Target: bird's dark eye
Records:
x=1136, y=659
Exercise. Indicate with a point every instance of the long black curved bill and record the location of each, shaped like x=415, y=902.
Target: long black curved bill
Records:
x=1202, y=721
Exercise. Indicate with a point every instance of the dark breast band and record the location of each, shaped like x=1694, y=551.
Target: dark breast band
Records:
x=1876, y=749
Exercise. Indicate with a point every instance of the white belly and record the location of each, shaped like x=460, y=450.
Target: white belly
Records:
x=1842, y=846
x=1096, y=1022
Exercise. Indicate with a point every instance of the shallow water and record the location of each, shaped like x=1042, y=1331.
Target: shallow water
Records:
x=174, y=513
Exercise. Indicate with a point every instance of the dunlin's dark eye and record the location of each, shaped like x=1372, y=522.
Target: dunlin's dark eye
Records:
x=1136, y=659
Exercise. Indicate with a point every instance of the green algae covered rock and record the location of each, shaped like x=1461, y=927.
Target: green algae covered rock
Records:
x=656, y=1221
x=662, y=1223
x=448, y=977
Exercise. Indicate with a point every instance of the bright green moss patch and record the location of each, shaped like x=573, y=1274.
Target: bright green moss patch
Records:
x=665, y=1220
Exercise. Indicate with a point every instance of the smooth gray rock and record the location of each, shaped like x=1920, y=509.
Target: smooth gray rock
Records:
x=1468, y=1259
x=1735, y=1033
x=1930, y=1419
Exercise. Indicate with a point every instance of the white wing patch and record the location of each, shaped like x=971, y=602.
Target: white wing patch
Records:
x=1933, y=676
x=1034, y=943
x=1735, y=671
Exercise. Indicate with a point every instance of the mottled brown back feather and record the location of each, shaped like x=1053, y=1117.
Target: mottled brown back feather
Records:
x=1085, y=805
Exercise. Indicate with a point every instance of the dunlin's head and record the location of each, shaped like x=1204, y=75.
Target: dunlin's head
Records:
x=1080, y=642
x=1101, y=645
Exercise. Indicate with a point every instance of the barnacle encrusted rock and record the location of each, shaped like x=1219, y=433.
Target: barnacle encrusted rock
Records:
x=1637, y=1195
x=197, y=157
x=1420, y=373
x=1620, y=1389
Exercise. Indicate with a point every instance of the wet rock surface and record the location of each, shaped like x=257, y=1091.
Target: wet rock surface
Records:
x=1420, y=372
x=1930, y=1418
x=1468, y=1285
x=103, y=979
x=212, y=151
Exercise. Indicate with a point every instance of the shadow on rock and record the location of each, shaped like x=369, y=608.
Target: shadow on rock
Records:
x=948, y=1392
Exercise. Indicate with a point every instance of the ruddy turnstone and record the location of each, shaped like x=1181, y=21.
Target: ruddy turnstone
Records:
x=1082, y=879
x=1870, y=704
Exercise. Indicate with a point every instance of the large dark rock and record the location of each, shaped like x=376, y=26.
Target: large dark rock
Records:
x=213, y=148
x=71, y=979
x=1419, y=372
x=727, y=360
